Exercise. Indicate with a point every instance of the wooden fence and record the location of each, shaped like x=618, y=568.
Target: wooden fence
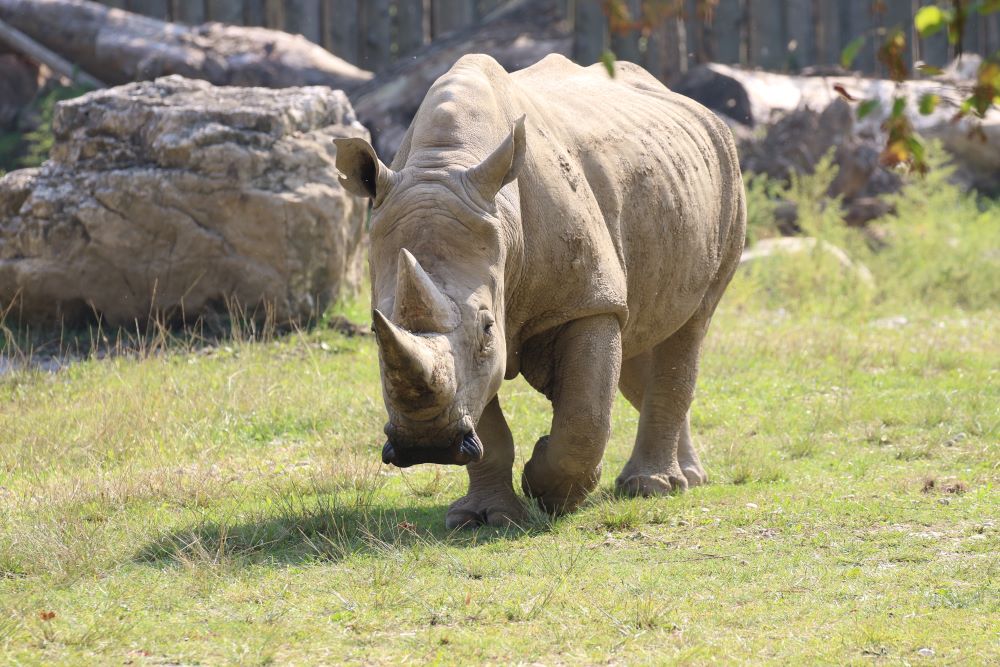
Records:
x=783, y=35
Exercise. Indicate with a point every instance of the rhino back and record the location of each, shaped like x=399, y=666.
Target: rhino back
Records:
x=633, y=194
x=628, y=198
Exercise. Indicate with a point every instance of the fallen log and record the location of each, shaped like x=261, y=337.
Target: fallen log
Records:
x=754, y=98
x=518, y=34
x=21, y=43
x=118, y=47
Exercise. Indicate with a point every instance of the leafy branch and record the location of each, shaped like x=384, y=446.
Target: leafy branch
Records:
x=904, y=147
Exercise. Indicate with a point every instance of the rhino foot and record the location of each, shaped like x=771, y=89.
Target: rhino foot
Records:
x=496, y=508
x=554, y=490
x=651, y=484
x=694, y=474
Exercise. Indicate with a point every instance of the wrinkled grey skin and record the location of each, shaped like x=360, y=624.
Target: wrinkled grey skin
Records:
x=557, y=223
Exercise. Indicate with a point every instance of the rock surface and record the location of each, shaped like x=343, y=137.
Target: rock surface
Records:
x=179, y=198
x=809, y=113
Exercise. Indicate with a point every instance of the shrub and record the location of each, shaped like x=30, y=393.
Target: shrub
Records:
x=941, y=247
x=943, y=244
x=31, y=149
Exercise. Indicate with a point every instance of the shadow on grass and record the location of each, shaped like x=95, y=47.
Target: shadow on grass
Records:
x=87, y=336
x=329, y=529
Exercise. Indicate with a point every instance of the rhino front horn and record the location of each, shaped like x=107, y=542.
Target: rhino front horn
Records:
x=402, y=353
x=420, y=306
x=413, y=380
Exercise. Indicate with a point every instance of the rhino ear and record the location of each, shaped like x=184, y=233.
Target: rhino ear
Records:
x=363, y=174
x=502, y=166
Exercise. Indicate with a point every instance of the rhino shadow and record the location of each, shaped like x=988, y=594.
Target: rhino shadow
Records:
x=327, y=533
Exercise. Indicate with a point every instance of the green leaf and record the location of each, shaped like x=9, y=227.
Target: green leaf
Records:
x=608, y=60
x=918, y=157
x=929, y=70
x=851, y=51
x=866, y=107
x=898, y=107
x=930, y=20
x=928, y=103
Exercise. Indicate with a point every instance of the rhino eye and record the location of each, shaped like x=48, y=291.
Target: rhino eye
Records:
x=488, y=328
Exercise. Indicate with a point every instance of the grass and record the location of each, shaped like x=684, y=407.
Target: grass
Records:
x=223, y=503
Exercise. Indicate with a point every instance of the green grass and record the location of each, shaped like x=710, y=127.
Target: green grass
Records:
x=225, y=504
x=228, y=506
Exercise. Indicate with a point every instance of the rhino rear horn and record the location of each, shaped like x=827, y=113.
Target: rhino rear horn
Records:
x=420, y=306
x=502, y=166
x=362, y=173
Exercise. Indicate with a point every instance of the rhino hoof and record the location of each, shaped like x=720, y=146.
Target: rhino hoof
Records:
x=554, y=491
x=471, y=512
x=657, y=484
x=695, y=475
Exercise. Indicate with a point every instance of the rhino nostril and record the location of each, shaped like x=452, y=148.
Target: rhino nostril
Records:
x=471, y=448
x=388, y=453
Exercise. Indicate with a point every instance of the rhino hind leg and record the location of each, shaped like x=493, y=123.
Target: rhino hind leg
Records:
x=491, y=499
x=660, y=384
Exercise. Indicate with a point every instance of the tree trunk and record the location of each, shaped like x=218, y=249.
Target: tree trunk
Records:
x=118, y=47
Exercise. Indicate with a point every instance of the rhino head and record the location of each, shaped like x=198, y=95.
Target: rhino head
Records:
x=437, y=264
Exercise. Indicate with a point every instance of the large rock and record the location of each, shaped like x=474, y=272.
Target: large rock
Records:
x=180, y=198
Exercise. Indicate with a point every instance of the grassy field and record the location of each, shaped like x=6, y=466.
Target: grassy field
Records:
x=217, y=504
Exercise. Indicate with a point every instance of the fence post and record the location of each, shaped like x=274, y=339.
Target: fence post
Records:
x=223, y=11
x=274, y=14
x=158, y=9
x=769, y=28
x=484, y=7
x=727, y=31
x=341, y=29
x=253, y=12
x=450, y=15
x=855, y=20
x=303, y=17
x=801, y=41
x=186, y=11
x=590, y=28
x=378, y=35
x=625, y=43
x=410, y=34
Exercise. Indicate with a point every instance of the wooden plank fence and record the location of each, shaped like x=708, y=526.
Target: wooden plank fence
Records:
x=781, y=35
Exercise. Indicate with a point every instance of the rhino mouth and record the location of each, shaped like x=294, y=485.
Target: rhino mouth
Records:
x=468, y=450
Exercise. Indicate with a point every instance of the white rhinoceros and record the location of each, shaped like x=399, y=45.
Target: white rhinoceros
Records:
x=559, y=223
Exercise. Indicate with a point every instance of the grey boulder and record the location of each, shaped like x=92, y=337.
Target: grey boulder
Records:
x=181, y=199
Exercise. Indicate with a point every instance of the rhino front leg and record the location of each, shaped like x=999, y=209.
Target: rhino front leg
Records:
x=566, y=465
x=491, y=499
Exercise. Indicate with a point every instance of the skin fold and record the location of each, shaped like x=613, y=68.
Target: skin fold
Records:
x=574, y=228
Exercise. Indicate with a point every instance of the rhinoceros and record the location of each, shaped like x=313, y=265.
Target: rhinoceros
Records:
x=573, y=227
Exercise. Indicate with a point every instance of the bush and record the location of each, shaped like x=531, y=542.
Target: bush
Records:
x=940, y=249
x=943, y=244
x=812, y=280
x=31, y=149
